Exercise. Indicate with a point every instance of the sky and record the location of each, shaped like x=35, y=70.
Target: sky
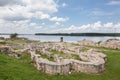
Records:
x=59, y=16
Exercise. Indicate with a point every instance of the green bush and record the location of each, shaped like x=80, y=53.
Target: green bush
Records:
x=14, y=35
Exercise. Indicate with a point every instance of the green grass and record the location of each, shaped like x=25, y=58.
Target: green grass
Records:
x=3, y=42
x=84, y=49
x=22, y=69
x=74, y=56
x=45, y=56
x=67, y=56
x=60, y=54
x=16, y=41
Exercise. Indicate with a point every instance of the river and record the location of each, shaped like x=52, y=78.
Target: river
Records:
x=44, y=38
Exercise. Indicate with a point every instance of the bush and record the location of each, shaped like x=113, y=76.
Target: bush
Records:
x=13, y=35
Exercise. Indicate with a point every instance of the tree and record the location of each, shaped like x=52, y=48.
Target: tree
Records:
x=14, y=35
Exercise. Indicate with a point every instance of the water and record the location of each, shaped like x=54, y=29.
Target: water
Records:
x=43, y=38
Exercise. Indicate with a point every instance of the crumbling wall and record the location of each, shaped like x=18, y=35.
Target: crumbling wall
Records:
x=50, y=67
x=92, y=61
x=87, y=67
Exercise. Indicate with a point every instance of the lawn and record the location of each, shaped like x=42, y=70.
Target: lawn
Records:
x=22, y=69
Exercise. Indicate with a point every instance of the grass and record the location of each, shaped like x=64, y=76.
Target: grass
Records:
x=45, y=56
x=74, y=56
x=19, y=41
x=16, y=41
x=84, y=49
x=22, y=69
x=3, y=42
x=68, y=56
x=61, y=54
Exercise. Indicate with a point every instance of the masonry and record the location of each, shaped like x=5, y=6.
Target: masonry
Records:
x=92, y=61
x=111, y=43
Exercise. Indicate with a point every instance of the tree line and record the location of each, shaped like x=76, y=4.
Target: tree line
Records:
x=80, y=34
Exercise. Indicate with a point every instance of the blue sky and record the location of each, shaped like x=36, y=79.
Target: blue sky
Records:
x=53, y=16
x=89, y=11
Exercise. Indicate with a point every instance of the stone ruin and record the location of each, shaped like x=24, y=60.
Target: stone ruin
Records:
x=91, y=61
x=111, y=43
x=87, y=43
x=9, y=50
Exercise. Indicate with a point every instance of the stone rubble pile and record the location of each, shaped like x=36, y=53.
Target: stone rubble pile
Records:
x=87, y=43
x=111, y=43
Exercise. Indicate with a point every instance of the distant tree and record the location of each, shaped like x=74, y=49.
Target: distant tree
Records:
x=14, y=35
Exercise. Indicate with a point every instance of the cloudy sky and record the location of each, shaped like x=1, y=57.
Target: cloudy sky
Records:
x=54, y=16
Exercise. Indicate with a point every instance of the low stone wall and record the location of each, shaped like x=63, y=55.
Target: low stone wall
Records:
x=54, y=68
x=92, y=63
x=50, y=67
x=87, y=67
x=5, y=49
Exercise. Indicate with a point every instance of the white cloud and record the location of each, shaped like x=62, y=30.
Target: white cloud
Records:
x=101, y=13
x=56, y=25
x=9, y=2
x=27, y=9
x=95, y=27
x=41, y=15
x=15, y=26
x=64, y=5
x=23, y=27
x=33, y=24
x=41, y=5
x=56, y=19
x=17, y=15
x=43, y=23
x=115, y=2
x=27, y=26
x=109, y=25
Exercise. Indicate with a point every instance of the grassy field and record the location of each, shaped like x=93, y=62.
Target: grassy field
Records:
x=22, y=69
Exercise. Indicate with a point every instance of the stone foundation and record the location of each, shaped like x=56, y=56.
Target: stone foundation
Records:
x=91, y=60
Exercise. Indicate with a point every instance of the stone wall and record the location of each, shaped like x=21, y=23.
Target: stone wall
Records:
x=111, y=43
x=87, y=43
x=93, y=62
x=50, y=67
x=87, y=67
